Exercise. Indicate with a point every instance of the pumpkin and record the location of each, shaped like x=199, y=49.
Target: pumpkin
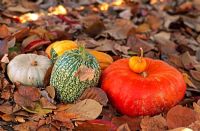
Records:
x=57, y=48
x=104, y=59
x=138, y=64
x=67, y=74
x=28, y=69
x=135, y=94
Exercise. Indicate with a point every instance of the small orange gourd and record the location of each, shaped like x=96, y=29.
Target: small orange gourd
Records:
x=138, y=64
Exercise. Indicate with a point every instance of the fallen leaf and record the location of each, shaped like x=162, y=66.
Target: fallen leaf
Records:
x=118, y=31
x=133, y=122
x=5, y=59
x=175, y=59
x=188, y=81
x=143, y=28
x=123, y=127
x=84, y=73
x=86, y=126
x=19, y=119
x=51, y=91
x=154, y=21
x=29, y=39
x=121, y=48
x=7, y=117
x=3, y=47
x=195, y=74
x=180, y=116
x=29, y=5
x=46, y=104
x=155, y=123
x=87, y=109
x=193, y=23
x=27, y=126
x=21, y=34
x=5, y=95
x=182, y=129
x=62, y=107
x=29, y=92
x=188, y=61
x=36, y=44
x=185, y=7
x=63, y=116
x=96, y=94
x=195, y=126
x=23, y=101
x=18, y=8
x=4, y=32
x=6, y=108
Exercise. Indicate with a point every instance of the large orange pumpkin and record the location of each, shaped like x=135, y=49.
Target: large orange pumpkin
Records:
x=135, y=94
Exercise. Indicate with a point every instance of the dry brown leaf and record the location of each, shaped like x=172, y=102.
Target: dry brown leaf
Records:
x=155, y=123
x=27, y=126
x=193, y=23
x=106, y=45
x=133, y=122
x=180, y=116
x=21, y=34
x=123, y=127
x=195, y=126
x=23, y=101
x=96, y=94
x=18, y=8
x=87, y=109
x=181, y=129
x=46, y=104
x=143, y=28
x=188, y=81
x=7, y=117
x=95, y=126
x=63, y=116
x=175, y=59
x=188, y=61
x=46, y=80
x=29, y=92
x=118, y=31
x=5, y=59
x=4, y=32
x=3, y=47
x=6, y=108
x=62, y=107
x=121, y=48
x=51, y=91
x=5, y=95
x=154, y=22
x=84, y=73
x=195, y=74
x=29, y=39
x=29, y=5
x=19, y=119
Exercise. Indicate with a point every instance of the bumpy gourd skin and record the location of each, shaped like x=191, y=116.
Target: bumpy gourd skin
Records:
x=68, y=86
x=134, y=95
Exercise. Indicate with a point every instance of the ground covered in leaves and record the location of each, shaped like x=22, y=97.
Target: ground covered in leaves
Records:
x=165, y=29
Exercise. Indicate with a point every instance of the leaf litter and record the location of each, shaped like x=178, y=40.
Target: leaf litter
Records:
x=166, y=30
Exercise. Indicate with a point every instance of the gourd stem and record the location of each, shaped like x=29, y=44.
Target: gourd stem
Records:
x=34, y=63
x=83, y=52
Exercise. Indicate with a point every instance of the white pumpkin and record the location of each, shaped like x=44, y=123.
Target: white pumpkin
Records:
x=28, y=69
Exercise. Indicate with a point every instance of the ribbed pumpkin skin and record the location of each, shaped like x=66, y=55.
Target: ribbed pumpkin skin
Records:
x=134, y=95
x=69, y=87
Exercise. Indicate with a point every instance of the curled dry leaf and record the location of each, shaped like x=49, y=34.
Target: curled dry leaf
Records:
x=84, y=73
x=4, y=32
x=119, y=31
x=29, y=39
x=7, y=117
x=27, y=126
x=63, y=116
x=124, y=127
x=46, y=82
x=195, y=126
x=19, y=35
x=155, y=123
x=5, y=59
x=181, y=129
x=51, y=91
x=133, y=122
x=96, y=94
x=195, y=74
x=6, y=108
x=188, y=81
x=180, y=116
x=46, y=104
x=87, y=109
x=29, y=92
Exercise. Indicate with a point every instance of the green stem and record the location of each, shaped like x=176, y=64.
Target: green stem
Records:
x=83, y=52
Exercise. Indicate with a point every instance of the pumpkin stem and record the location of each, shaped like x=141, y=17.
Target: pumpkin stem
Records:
x=144, y=74
x=141, y=54
x=34, y=63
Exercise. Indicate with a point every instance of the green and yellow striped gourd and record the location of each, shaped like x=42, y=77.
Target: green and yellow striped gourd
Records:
x=63, y=78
